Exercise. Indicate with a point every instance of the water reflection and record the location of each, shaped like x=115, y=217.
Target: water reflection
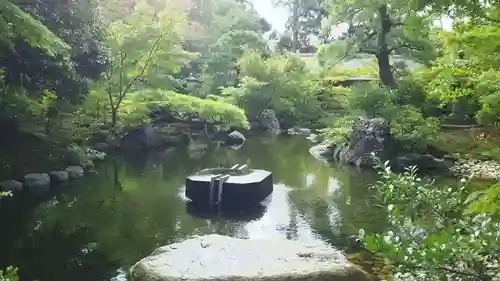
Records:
x=132, y=206
x=221, y=213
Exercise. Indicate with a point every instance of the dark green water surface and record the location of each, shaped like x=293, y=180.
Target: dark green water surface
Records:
x=97, y=227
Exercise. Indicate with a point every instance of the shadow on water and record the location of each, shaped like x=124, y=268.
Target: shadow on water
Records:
x=97, y=227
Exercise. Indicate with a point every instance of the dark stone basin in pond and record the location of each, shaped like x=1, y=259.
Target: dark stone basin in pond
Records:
x=229, y=187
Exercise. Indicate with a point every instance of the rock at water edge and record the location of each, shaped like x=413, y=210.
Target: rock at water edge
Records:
x=142, y=137
x=36, y=180
x=216, y=257
x=299, y=131
x=11, y=186
x=235, y=138
x=268, y=121
x=368, y=136
x=59, y=176
x=75, y=172
x=87, y=164
x=322, y=152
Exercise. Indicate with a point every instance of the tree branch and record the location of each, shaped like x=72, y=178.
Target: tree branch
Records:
x=454, y=271
x=110, y=96
x=481, y=13
x=152, y=52
x=405, y=45
x=486, y=17
x=122, y=60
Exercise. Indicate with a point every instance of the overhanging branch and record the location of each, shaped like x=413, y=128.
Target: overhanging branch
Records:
x=405, y=45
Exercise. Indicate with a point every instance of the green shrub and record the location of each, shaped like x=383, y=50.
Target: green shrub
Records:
x=137, y=107
x=281, y=83
x=339, y=131
x=9, y=274
x=430, y=236
x=488, y=89
x=485, y=201
x=368, y=99
x=410, y=127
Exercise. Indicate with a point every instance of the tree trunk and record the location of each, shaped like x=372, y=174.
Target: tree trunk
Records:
x=385, y=72
x=114, y=112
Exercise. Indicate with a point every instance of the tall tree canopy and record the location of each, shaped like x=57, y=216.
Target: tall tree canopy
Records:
x=50, y=45
x=382, y=28
x=78, y=23
x=220, y=31
x=17, y=24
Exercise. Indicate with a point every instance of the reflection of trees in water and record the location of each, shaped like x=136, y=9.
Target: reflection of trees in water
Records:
x=73, y=258
x=356, y=202
x=126, y=223
x=337, y=203
x=287, y=158
x=133, y=207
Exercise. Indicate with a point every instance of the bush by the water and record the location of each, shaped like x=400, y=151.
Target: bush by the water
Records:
x=407, y=122
x=435, y=233
x=281, y=83
x=137, y=108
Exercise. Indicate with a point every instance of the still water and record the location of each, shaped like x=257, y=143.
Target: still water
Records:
x=97, y=227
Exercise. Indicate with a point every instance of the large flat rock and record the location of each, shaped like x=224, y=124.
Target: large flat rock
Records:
x=215, y=257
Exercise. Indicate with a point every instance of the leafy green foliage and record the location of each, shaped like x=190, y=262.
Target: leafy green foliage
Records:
x=407, y=122
x=14, y=101
x=368, y=99
x=220, y=31
x=430, y=236
x=479, y=42
x=15, y=23
x=34, y=58
x=79, y=24
x=472, y=81
x=449, y=81
x=9, y=274
x=137, y=108
x=281, y=83
x=488, y=89
x=305, y=19
x=411, y=128
x=146, y=41
x=221, y=69
x=485, y=201
x=381, y=29
x=2, y=195
x=339, y=130
x=481, y=11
